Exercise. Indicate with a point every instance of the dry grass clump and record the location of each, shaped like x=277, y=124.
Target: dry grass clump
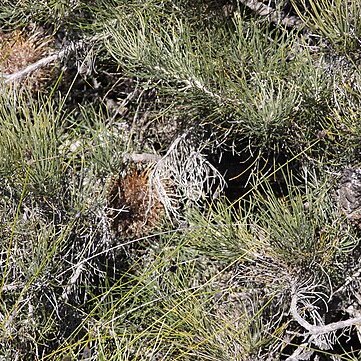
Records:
x=18, y=50
x=132, y=210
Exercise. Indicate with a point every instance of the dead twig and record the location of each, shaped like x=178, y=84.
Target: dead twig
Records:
x=142, y=157
x=302, y=353
x=319, y=330
x=30, y=68
x=277, y=17
x=17, y=76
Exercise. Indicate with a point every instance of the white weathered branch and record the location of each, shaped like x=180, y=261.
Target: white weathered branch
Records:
x=11, y=287
x=40, y=63
x=142, y=157
x=301, y=353
x=30, y=68
x=277, y=17
x=319, y=330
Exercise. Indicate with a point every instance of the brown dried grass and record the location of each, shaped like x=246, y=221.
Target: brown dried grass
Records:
x=18, y=50
x=132, y=210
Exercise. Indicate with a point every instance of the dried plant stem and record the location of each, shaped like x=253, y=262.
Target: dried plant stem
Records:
x=301, y=353
x=30, y=68
x=183, y=175
x=275, y=16
x=319, y=330
x=142, y=157
x=17, y=76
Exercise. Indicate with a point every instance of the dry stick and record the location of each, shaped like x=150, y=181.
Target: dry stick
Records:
x=348, y=280
x=278, y=17
x=142, y=157
x=40, y=63
x=301, y=354
x=319, y=330
x=30, y=68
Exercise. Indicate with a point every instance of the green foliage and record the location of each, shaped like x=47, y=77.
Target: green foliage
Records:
x=301, y=230
x=248, y=79
x=59, y=14
x=223, y=234
x=54, y=229
x=304, y=227
x=242, y=79
x=175, y=84
x=173, y=313
x=336, y=20
x=29, y=141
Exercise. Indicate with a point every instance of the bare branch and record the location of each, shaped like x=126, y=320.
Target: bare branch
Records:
x=301, y=353
x=142, y=157
x=11, y=287
x=319, y=330
x=355, y=276
x=30, y=68
x=41, y=63
x=277, y=17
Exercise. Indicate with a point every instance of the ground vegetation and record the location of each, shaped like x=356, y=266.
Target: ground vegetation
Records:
x=180, y=180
